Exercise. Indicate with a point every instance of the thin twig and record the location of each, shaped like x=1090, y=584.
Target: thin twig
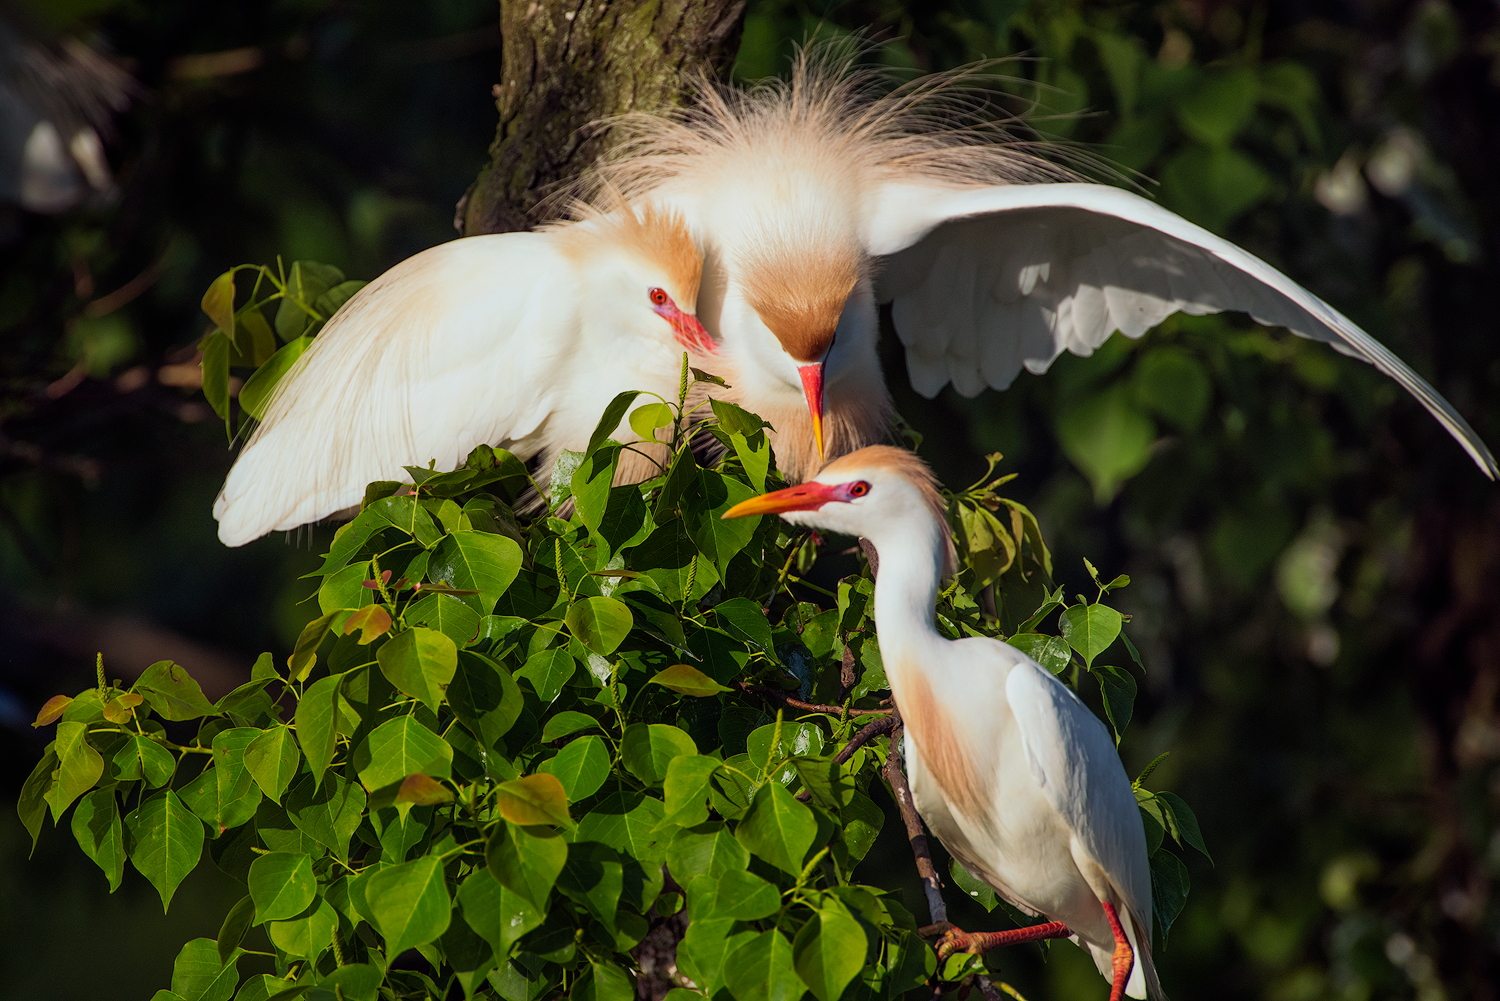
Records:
x=814, y=707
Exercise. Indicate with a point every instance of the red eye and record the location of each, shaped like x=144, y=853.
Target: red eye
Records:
x=658, y=297
x=859, y=489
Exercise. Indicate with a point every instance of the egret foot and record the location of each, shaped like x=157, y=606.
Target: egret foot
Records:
x=953, y=939
x=1124, y=957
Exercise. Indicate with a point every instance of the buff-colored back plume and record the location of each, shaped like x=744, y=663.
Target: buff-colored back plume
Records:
x=830, y=114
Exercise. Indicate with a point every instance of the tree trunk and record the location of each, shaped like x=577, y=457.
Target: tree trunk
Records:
x=566, y=64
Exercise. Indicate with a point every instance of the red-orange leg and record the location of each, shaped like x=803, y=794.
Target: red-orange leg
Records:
x=952, y=939
x=1124, y=957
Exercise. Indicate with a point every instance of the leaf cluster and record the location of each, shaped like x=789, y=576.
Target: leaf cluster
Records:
x=510, y=744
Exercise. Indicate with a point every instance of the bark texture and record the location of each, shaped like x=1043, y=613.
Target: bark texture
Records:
x=567, y=64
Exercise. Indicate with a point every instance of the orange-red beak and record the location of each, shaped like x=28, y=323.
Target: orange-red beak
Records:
x=803, y=497
x=812, y=389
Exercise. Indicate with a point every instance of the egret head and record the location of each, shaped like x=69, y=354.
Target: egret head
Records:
x=880, y=493
x=643, y=258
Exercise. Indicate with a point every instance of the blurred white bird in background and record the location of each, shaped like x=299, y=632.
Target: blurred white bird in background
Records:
x=1016, y=777
x=811, y=202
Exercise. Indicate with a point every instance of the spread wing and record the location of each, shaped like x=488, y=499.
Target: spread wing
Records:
x=1073, y=758
x=466, y=343
x=986, y=281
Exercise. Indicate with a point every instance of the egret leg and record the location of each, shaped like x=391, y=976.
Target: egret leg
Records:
x=952, y=939
x=1124, y=957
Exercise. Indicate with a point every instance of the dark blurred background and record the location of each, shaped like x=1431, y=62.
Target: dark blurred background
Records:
x=1315, y=565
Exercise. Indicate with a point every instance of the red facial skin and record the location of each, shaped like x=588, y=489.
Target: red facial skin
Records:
x=685, y=327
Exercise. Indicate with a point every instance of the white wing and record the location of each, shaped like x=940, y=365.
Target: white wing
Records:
x=985, y=281
x=1073, y=758
x=469, y=342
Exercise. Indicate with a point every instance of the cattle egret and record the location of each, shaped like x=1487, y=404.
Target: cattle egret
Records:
x=812, y=201
x=1016, y=777
x=516, y=340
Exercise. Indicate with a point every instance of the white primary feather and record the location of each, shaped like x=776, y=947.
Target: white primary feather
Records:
x=485, y=340
x=1063, y=266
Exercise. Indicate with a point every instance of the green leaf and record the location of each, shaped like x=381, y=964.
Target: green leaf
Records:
x=306, y=937
x=330, y=813
x=581, y=767
x=168, y=841
x=603, y=982
x=1169, y=890
x=172, y=692
x=143, y=758
x=1117, y=685
x=740, y=895
x=218, y=303
x=526, y=861
x=96, y=826
x=215, y=368
x=356, y=982
x=1049, y=651
x=305, y=652
x=79, y=767
x=272, y=760
x=1213, y=187
x=535, y=799
x=1185, y=822
x=420, y=662
x=976, y=889
x=763, y=969
x=548, y=671
x=610, y=420
x=707, y=850
x=736, y=420
x=601, y=624
x=317, y=723
x=484, y=696
x=447, y=614
x=646, y=750
x=1107, y=438
x=497, y=914
x=566, y=722
x=703, y=502
x=477, y=561
x=829, y=950
x=236, y=924
x=410, y=904
x=862, y=821
x=627, y=822
x=257, y=391
x=591, y=485
x=31, y=805
x=281, y=885
x=777, y=828
x=743, y=618
x=198, y=974
x=239, y=797
x=644, y=420
x=754, y=453
x=702, y=951
x=1090, y=629
x=398, y=748
x=684, y=679
x=686, y=789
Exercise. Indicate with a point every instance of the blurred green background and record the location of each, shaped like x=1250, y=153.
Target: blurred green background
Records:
x=1315, y=565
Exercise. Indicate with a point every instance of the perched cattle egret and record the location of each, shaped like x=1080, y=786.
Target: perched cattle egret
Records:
x=802, y=206
x=1015, y=776
x=516, y=340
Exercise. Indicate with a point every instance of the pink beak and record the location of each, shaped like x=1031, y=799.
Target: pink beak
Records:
x=688, y=331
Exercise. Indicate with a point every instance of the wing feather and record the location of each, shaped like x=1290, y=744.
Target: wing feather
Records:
x=1083, y=260
x=425, y=363
x=1073, y=758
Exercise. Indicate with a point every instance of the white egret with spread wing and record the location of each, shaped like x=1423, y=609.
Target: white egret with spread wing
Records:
x=1016, y=777
x=811, y=202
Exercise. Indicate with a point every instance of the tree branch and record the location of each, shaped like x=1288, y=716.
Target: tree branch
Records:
x=772, y=694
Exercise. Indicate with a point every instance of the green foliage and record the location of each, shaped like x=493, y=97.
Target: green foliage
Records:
x=489, y=758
